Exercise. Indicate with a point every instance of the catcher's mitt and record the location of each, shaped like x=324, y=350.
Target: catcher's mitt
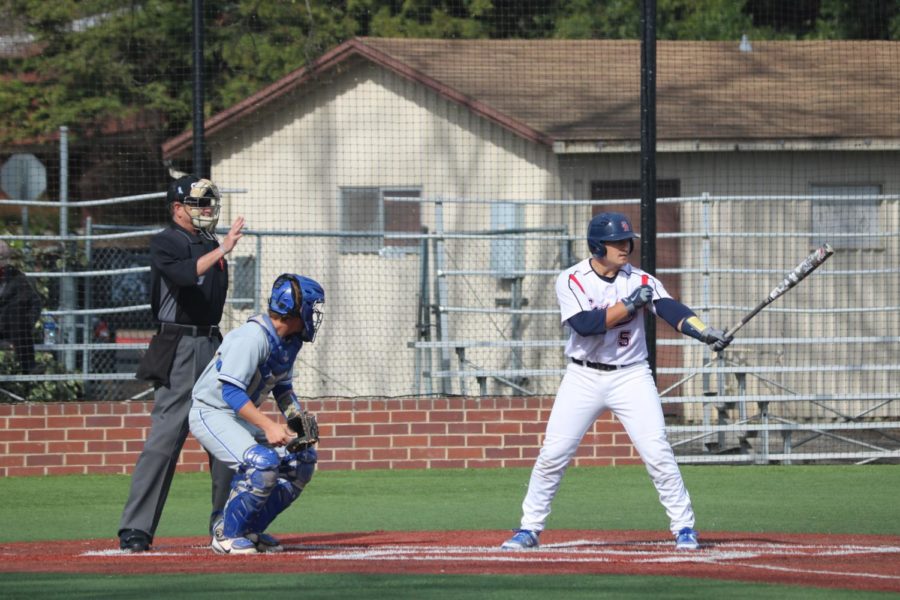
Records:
x=307, y=429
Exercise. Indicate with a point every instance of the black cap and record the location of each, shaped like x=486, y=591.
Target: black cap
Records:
x=180, y=189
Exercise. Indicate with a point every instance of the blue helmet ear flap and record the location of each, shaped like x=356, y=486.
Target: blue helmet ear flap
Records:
x=287, y=296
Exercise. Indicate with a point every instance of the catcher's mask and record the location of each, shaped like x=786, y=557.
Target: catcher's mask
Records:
x=299, y=296
x=202, y=199
x=609, y=227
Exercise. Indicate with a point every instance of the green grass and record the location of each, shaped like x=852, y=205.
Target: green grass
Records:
x=421, y=587
x=795, y=499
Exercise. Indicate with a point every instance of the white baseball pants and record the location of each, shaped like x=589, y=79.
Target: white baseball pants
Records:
x=583, y=396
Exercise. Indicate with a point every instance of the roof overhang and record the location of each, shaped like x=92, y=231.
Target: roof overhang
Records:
x=687, y=146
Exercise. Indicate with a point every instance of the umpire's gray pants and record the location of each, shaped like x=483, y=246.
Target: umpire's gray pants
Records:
x=169, y=428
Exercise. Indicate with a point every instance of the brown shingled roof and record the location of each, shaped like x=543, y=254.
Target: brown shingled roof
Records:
x=589, y=90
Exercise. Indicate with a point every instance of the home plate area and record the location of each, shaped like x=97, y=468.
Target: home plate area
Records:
x=840, y=561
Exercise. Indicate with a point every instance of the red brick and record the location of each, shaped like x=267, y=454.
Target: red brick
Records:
x=26, y=448
x=393, y=453
x=43, y=460
x=130, y=433
x=76, y=422
x=430, y=453
x=103, y=421
x=478, y=441
x=135, y=421
x=460, y=428
x=512, y=463
x=12, y=461
x=43, y=435
x=29, y=423
x=372, y=417
x=410, y=441
x=24, y=471
x=526, y=416
x=119, y=458
x=12, y=435
x=111, y=470
x=502, y=453
x=470, y=452
x=520, y=440
x=391, y=429
x=355, y=454
x=335, y=417
x=536, y=427
x=484, y=416
x=65, y=447
x=448, y=440
x=448, y=464
x=428, y=428
x=373, y=442
x=85, y=434
x=352, y=430
x=440, y=416
x=84, y=459
x=134, y=446
x=333, y=441
x=409, y=416
x=502, y=428
x=6, y=410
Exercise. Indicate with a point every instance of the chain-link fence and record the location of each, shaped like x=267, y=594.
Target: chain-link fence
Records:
x=436, y=168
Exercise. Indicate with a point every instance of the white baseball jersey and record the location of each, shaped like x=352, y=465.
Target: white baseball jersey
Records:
x=580, y=288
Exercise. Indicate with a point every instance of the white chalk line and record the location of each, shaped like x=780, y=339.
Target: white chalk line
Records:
x=720, y=554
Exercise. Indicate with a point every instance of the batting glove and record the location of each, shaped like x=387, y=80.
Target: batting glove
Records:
x=638, y=298
x=716, y=339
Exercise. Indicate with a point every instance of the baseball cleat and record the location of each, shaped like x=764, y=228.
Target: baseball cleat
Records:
x=265, y=542
x=134, y=540
x=686, y=539
x=239, y=545
x=523, y=539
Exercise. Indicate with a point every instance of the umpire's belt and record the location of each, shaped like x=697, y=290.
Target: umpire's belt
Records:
x=599, y=366
x=191, y=330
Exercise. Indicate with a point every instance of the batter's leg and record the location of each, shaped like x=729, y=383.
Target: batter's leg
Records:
x=635, y=402
x=576, y=407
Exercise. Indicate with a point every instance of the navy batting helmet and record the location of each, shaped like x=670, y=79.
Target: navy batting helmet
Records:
x=609, y=227
x=299, y=296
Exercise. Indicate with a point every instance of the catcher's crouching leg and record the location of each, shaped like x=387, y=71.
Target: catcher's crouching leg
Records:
x=250, y=491
x=294, y=472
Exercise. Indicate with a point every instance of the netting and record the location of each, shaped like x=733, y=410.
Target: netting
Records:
x=434, y=166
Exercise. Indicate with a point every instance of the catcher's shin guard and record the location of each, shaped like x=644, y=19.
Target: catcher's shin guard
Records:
x=250, y=493
x=295, y=471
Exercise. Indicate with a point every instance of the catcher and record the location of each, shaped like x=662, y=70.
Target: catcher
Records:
x=273, y=461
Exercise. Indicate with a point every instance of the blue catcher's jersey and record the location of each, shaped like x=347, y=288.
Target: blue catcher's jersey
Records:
x=251, y=357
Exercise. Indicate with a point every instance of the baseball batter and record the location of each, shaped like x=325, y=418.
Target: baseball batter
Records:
x=255, y=359
x=601, y=300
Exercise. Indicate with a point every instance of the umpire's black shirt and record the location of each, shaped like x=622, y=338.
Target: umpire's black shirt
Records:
x=178, y=295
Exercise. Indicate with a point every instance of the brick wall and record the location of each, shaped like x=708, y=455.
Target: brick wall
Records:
x=403, y=433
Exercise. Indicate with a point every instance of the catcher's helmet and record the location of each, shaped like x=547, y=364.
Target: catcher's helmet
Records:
x=299, y=296
x=197, y=194
x=609, y=227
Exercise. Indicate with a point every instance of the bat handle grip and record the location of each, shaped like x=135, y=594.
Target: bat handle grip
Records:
x=645, y=279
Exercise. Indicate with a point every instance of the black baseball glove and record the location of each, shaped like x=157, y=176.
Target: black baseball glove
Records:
x=307, y=430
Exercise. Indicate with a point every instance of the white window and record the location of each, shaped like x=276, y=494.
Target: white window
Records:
x=846, y=209
x=380, y=211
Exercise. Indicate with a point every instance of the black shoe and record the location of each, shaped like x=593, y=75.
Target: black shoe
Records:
x=134, y=540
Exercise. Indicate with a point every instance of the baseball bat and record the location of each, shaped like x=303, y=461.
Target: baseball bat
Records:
x=800, y=272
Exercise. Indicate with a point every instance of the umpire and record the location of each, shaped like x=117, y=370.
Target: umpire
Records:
x=189, y=282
